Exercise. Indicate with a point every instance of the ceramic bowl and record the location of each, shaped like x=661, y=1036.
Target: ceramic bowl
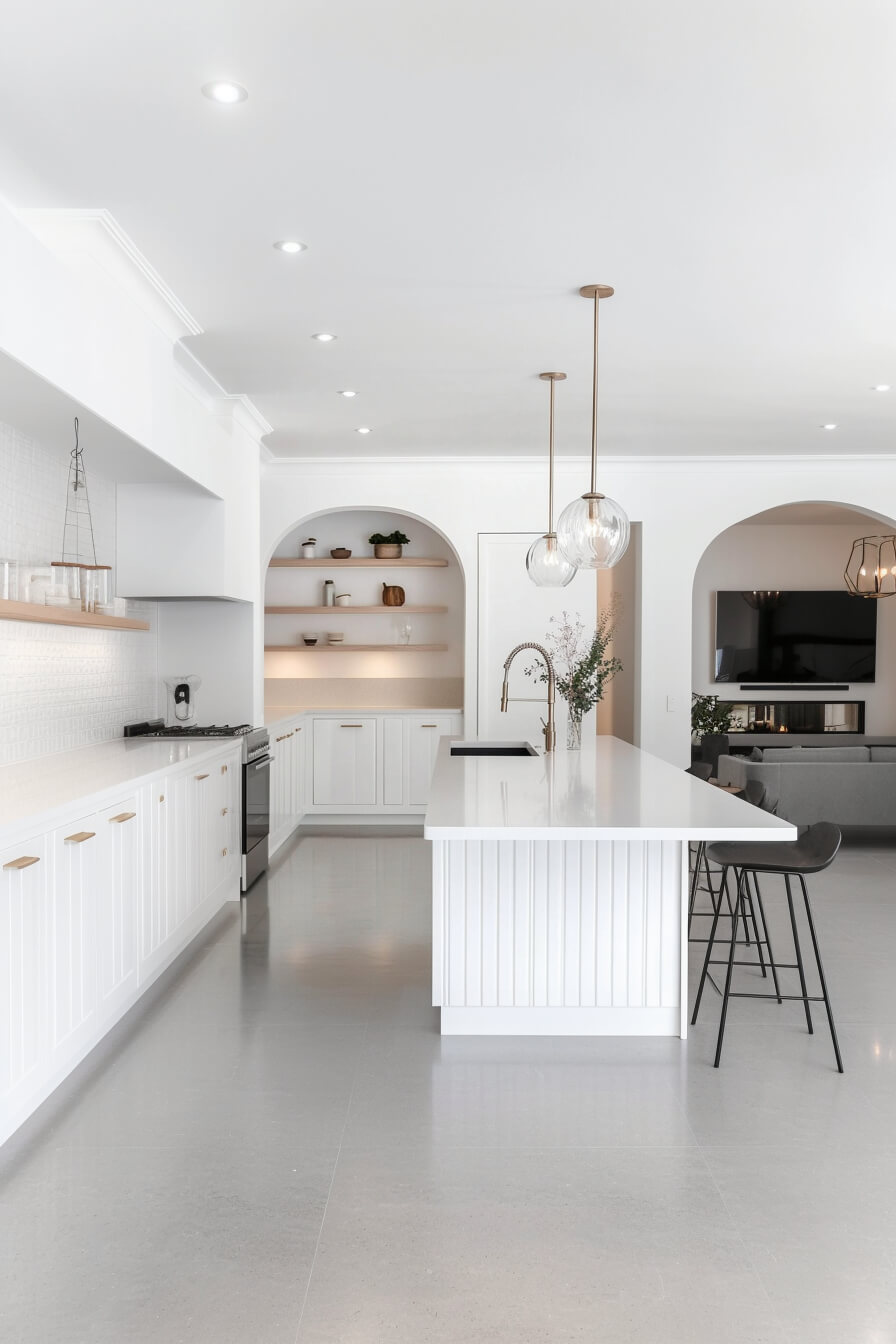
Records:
x=310, y=640
x=340, y=553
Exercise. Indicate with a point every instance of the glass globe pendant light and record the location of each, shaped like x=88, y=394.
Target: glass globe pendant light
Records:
x=593, y=532
x=546, y=565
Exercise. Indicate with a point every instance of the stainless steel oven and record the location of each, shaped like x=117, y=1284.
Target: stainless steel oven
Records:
x=256, y=810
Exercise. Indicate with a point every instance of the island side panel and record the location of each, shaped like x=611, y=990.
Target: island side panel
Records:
x=561, y=937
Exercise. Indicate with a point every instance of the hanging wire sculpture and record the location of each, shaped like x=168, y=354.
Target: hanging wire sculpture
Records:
x=78, y=545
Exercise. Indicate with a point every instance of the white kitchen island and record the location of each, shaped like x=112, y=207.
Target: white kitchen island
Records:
x=560, y=888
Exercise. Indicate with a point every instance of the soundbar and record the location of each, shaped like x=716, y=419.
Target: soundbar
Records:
x=791, y=686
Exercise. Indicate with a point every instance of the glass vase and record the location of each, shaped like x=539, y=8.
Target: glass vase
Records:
x=574, y=730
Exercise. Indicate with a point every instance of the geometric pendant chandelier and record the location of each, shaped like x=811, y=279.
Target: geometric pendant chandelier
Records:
x=593, y=532
x=871, y=567
x=546, y=565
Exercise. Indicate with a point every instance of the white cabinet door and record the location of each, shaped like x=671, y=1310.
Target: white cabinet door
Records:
x=154, y=918
x=77, y=878
x=345, y=762
x=298, y=775
x=118, y=904
x=423, y=736
x=394, y=774
x=23, y=969
x=224, y=839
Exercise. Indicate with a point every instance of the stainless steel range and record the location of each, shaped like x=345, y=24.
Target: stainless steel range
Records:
x=256, y=794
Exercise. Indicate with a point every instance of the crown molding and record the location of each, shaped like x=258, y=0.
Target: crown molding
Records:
x=95, y=234
x=202, y=384
x=638, y=465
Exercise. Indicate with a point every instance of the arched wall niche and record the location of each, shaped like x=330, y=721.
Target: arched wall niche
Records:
x=389, y=674
x=801, y=545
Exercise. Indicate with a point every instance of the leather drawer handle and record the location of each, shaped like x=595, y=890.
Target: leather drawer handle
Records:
x=429, y=725
x=123, y=816
x=24, y=862
x=351, y=725
x=79, y=837
x=200, y=776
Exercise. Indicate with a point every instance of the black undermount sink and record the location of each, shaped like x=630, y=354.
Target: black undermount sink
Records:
x=492, y=749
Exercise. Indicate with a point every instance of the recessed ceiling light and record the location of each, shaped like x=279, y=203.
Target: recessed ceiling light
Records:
x=290, y=245
x=829, y=426
x=347, y=392
x=225, y=91
x=322, y=336
x=881, y=387
x=363, y=430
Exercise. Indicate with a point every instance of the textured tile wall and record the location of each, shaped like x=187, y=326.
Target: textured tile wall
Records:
x=59, y=687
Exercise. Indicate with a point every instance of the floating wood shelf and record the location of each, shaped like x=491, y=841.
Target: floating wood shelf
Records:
x=366, y=611
x=368, y=560
x=90, y=620
x=355, y=648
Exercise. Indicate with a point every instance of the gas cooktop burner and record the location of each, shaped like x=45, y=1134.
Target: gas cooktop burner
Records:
x=213, y=730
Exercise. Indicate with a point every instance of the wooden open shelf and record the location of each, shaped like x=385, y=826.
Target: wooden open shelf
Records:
x=355, y=648
x=379, y=610
x=368, y=561
x=91, y=620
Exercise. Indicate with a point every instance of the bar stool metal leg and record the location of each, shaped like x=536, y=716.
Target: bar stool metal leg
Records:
x=768, y=937
x=710, y=942
x=738, y=908
x=799, y=955
x=824, y=988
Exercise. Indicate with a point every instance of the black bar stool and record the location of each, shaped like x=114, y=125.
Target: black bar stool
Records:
x=814, y=851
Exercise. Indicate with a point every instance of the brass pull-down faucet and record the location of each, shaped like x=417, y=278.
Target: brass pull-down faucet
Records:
x=550, y=731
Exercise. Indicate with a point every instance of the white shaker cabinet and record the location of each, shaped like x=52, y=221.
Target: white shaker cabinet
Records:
x=118, y=904
x=344, y=767
x=75, y=876
x=24, y=981
x=287, y=781
x=422, y=743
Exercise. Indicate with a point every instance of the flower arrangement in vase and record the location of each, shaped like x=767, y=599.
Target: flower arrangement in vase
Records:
x=582, y=664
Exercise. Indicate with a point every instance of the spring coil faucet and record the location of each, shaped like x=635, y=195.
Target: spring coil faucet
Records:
x=550, y=731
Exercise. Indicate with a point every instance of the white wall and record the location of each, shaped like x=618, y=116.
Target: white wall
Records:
x=212, y=640
x=63, y=687
x=682, y=506
x=799, y=556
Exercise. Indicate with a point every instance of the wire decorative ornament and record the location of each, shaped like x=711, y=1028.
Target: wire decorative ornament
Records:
x=78, y=544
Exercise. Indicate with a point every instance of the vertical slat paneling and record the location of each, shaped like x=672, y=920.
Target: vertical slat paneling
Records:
x=523, y=948
x=556, y=921
x=439, y=848
x=620, y=923
x=540, y=928
x=671, y=919
x=604, y=925
x=653, y=924
x=636, y=878
x=588, y=923
x=572, y=920
x=473, y=904
x=456, y=932
x=506, y=921
x=490, y=942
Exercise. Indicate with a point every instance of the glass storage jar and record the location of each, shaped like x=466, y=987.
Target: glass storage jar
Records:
x=100, y=594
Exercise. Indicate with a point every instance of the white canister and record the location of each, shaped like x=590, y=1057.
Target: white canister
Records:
x=343, y=599
x=329, y=591
x=308, y=548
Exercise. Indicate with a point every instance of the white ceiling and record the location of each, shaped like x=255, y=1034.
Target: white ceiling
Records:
x=458, y=169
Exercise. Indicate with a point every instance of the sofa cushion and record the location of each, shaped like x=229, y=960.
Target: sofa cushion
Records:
x=756, y=754
x=883, y=753
x=818, y=755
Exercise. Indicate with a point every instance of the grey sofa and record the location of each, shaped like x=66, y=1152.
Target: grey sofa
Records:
x=852, y=786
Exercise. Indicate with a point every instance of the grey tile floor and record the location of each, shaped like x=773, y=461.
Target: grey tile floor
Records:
x=280, y=1149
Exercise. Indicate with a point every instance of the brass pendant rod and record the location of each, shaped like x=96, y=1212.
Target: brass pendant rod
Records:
x=594, y=401
x=551, y=465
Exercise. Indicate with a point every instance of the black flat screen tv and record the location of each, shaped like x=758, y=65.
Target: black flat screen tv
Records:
x=798, y=637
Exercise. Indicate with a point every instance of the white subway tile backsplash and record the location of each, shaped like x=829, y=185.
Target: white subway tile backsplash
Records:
x=62, y=687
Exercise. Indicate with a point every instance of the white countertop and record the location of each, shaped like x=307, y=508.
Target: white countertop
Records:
x=51, y=784
x=274, y=714
x=608, y=790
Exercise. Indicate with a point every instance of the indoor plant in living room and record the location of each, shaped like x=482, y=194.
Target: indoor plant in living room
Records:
x=388, y=547
x=711, y=720
x=582, y=665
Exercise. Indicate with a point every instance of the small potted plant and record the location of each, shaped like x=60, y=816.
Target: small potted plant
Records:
x=709, y=716
x=388, y=547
